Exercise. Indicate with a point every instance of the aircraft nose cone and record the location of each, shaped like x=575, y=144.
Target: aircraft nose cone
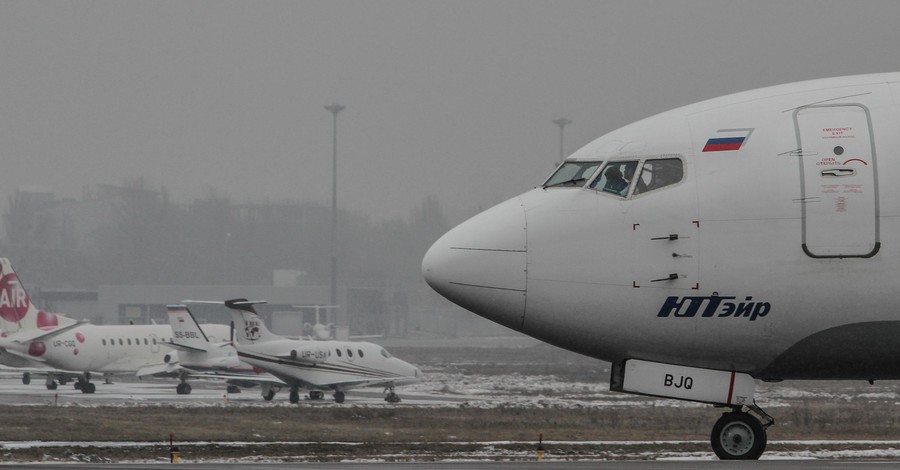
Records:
x=480, y=264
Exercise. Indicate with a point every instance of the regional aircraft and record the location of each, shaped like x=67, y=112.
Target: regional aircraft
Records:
x=754, y=236
x=66, y=348
x=197, y=356
x=316, y=365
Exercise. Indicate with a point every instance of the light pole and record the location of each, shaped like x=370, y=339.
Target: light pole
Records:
x=561, y=122
x=335, y=109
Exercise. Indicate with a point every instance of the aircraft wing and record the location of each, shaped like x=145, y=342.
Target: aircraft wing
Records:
x=371, y=383
x=25, y=355
x=182, y=347
x=33, y=335
x=157, y=369
x=41, y=371
x=244, y=380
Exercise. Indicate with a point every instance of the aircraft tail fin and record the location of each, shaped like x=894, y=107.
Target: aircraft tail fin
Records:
x=17, y=313
x=248, y=327
x=185, y=329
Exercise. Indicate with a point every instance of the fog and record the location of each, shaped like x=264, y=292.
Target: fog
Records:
x=448, y=104
x=453, y=99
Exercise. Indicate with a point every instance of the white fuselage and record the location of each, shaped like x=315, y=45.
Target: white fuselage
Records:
x=107, y=348
x=329, y=365
x=776, y=256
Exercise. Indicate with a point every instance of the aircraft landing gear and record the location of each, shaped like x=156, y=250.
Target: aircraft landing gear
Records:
x=183, y=388
x=738, y=435
x=316, y=394
x=233, y=389
x=294, y=396
x=339, y=396
x=84, y=384
x=391, y=397
x=51, y=384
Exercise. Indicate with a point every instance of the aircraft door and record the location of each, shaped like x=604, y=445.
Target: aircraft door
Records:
x=839, y=190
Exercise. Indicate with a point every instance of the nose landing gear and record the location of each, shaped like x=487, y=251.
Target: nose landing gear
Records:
x=738, y=435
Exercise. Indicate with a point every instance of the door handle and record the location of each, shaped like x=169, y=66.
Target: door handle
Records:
x=837, y=172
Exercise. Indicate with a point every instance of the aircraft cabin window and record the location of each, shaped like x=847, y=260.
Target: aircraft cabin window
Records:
x=120, y=342
x=129, y=341
x=154, y=341
x=146, y=343
x=103, y=341
x=349, y=353
x=360, y=352
x=616, y=178
x=338, y=351
x=572, y=174
x=659, y=173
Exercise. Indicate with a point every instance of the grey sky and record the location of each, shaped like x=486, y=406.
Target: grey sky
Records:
x=452, y=98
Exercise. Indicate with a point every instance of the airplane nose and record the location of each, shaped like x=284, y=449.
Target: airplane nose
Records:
x=480, y=264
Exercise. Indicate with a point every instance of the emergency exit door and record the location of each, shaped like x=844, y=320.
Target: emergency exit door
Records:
x=839, y=181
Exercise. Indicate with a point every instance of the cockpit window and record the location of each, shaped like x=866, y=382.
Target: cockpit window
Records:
x=659, y=173
x=616, y=178
x=572, y=174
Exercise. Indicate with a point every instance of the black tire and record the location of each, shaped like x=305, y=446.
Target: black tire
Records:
x=187, y=388
x=233, y=389
x=339, y=397
x=738, y=436
x=52, y=386
x=26, y=378
x=294, y=396
x=88, y=387
x=269, y=396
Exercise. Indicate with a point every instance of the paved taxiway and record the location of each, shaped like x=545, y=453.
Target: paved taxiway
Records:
x=609, y=465
x=162, y=392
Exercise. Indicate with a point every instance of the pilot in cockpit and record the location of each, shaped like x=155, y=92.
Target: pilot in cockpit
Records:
x=615, y=183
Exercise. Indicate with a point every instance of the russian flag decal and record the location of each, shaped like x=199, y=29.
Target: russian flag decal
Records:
x=727, y=140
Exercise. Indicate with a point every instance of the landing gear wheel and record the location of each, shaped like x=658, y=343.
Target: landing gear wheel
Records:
x=51, y=385
x=294, y=396
x=26, y=378
x=338, y=397
x=233, y=389
x=392, y=398
x=738, y=436
x=183, y=388
x=316, y=395
x=88, y=387
x=269, y=396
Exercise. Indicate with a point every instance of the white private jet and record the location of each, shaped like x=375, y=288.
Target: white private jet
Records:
x=752, y=236
x=66, y=348
x=197, y=356
x=316, y=365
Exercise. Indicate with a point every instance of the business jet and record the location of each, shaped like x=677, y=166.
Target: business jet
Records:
x=756, y=237
x=66, y=348
x=196, y=355
x=316, y=365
